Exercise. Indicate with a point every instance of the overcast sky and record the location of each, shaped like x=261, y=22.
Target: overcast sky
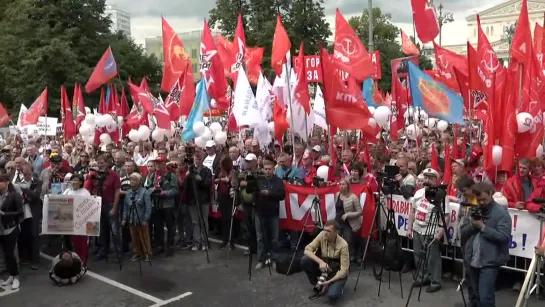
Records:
x=187, y=15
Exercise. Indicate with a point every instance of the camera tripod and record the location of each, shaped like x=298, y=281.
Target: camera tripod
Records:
x=202, y=224
x=437, y=216
x=391, y=231
x=133, y=210
x=318, y=224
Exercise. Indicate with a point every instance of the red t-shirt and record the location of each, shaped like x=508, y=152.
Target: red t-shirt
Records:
x=65, y=167
x=110, y=186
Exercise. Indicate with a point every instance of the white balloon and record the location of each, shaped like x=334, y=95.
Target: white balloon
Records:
x=109, y=119
x=134, y=135
x=88, y=139
x=90, y=118
x=525, y=122
x=207, y=135
x=323, y=172
x=539, y=151
x=497, y=154
x=270, y=126
x=120, y=120
x=167, y=133
x=412, y=132
x=105, y=139
x=111, y=127
x=442, y=125
x=199, y=142
x=87, y=110
x=221, y=137
x=372, y=110
x=84, y=129
x=215, y=127
x=372, y=123
x=157, y=135
x=213, y=103
x=421, y=115
x=430, y=122
x=99, y=121
x=144, y=133
x=382, y=115
x=199, y=128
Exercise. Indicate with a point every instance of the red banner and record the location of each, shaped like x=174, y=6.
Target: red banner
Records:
x=296, y=207
x=313, y=67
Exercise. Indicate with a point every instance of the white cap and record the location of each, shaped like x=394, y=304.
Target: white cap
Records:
x=250, y=157
x=210, y=143
x=430, y=172
x=317, y=148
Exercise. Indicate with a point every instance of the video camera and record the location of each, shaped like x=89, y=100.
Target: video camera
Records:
x=389, y=184
x=435, y=194
x=251, y=184
x=189, y=153
x=318, y=181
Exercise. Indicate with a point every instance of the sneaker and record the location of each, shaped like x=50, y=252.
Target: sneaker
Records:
x=16, y=284
x=259, y=266
x=147, y=258
x=433, y=287
x=195, y=247
x=203, y=247
x=8, y=281
x=135, y=258
x=419, y=283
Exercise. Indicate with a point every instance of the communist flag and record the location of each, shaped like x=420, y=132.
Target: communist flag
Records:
x=407, y=45
x=105, y=70
x=37, y=109
x=176, y=58
x=281, y=46
x=425, y=20
x=67, y=118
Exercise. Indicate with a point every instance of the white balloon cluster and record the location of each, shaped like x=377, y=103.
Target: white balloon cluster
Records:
x=92, y=122
x=204, y=134
x=142, y=134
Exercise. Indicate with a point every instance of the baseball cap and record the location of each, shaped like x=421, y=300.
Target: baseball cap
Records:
x=459, y=161
x=161, y=159
x=430, y=172
x=250, y=157
x=210, y=143
x=317, y=148
x=55, y=158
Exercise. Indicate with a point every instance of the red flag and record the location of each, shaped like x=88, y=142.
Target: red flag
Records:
x=408, y=46
x=301, y=88
x=212, y=70
x=446, y=61
x=4, y=116
x=123, y=105
x=279, y=118
x=105, y=70
x=172, y=102
x=253, y=58
x=145, y=98
x=37, y=109
x=225, y=49
x=144, y=84
x=239, y=49
x=522, y=39
x=162, y=116
x=350, y=54
x=177, y=59
x=188, y=94
x=79, y=105
x=280, y=47
x=425, y=20
x=434, y=159
x=67, y=118
x=345, y=108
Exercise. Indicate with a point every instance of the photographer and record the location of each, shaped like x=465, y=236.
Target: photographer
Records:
x=198, y=201
x=486, y=235
x=419, y=219
x=248, y=187
x=163, y=191
x=267, y=223
x=329, y=272
x=407, y=182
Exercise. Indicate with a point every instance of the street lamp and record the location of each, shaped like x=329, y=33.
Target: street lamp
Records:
x=443, y=18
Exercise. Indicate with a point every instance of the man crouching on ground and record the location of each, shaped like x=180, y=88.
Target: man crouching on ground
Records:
x=329, y=272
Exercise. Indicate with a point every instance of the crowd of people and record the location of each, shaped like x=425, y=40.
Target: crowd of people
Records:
x=147, y=187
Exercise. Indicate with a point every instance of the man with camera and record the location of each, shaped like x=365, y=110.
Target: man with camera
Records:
x=407, y=182
x=328, y=273
x=163, y=191
x=427, y=240
x=247, y=182
x=485, y=234
x=267, y=223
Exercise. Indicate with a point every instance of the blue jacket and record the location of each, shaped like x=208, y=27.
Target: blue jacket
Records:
x=142, y=212
x=295, y=173
x=493, y=240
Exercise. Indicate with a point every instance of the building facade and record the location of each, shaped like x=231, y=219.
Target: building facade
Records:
x=192, y=44
x=496, y=22
x=121, y=20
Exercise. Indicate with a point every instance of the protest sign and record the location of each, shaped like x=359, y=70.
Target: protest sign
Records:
x=71, y=215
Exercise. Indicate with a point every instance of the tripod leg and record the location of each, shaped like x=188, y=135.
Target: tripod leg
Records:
x=298, y=242
x=233, y=212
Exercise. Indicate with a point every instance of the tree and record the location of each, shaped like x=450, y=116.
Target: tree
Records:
x=50, y=43
x=304, y=20
x=385, y=39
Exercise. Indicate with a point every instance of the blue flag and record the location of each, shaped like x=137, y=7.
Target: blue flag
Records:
x=434, y=98
x=368, y=90
x=201, y=104
x=107, y=98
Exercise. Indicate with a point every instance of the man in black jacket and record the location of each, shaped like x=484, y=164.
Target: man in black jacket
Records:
x=485, y=235
x=267, y=223
x=199, y=177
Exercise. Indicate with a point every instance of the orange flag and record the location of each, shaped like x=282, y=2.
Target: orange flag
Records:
x=281, y=46
x=407, y=45
x=176, y=58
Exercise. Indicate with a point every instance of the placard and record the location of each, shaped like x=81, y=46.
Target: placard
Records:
x=71, y=215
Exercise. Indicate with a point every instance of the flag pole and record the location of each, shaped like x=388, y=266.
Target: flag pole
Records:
x=287, y=79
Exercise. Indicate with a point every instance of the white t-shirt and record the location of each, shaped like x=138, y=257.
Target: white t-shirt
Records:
x=423, y=209
x=208, y=162
x=82, y=192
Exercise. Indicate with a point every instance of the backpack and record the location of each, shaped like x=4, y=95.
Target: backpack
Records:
x=393, y=253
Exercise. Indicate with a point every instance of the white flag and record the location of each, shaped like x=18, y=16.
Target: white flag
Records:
x=245, y=106
x=319, y=109
x=22, y=110
x=264, y=97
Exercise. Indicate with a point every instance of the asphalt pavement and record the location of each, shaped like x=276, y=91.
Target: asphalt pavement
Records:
x=188, y=280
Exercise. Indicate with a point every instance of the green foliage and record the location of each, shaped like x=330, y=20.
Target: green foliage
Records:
x=50, y=43
x=304, y=21
x=386, y=38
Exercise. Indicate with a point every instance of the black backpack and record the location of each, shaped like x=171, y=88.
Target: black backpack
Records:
x=393, y=253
